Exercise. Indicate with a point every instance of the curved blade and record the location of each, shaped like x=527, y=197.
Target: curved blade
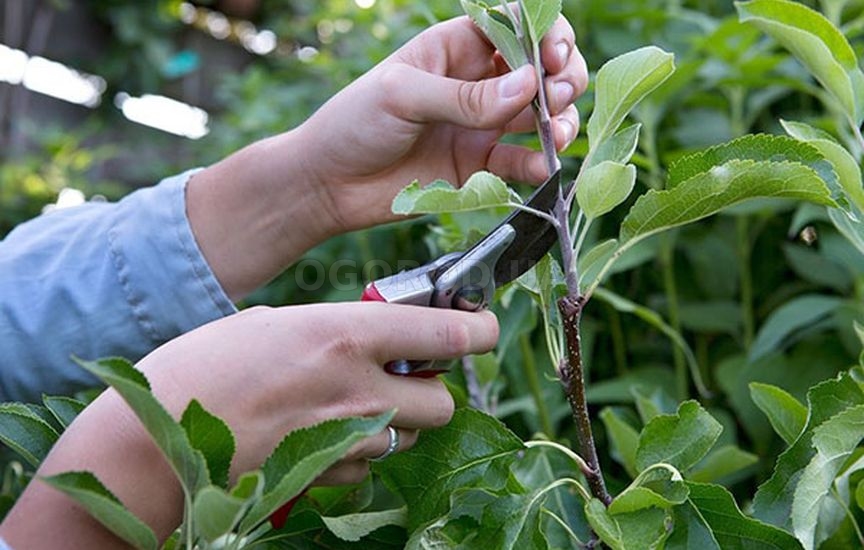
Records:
x=534, y=235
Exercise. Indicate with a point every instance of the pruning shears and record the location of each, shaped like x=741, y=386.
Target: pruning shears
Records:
x=466, y=280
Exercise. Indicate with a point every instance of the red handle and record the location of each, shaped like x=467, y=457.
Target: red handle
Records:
x=280, y=516
x=401, y=367
x=371, y=294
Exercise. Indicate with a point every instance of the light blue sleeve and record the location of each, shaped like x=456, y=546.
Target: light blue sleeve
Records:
x=97, y=280
x=4, y=546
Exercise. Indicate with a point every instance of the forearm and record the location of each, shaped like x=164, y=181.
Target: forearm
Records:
x=256, y=212
x=108, y=441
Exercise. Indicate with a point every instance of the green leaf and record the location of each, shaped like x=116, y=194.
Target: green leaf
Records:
x=848, y=171
x=540, y=15
x=593, y=261
x=651, y=402
x=543, y=278
x=353, y=527
x=622, y=83
x=64, y=409
x=790, y=318
x=212, y=437
x=853, y=231
x=660, y=486
x=500, y=34
x=186, y=461
x=305, y=454
x=816, y=43
x=690, y=530
x=25, y=433
x=482, y=190
x=834, y=440
x=642, y=530
x=619, y=148
x=720, y=463
x=730, y=527
x=506, y=519
x=216, y=512
x=472, y=450
x=759, y=148
x=681, y=439
x=85, y=489
x=603, y=187
x=719, y=188
x=773, y=500
x=786, y=414
x=623, y=439
x=620, y=389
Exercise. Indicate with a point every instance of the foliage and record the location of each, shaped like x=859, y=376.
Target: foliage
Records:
x=723, y=343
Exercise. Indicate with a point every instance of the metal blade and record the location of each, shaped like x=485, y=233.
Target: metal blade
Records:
x=534, y=235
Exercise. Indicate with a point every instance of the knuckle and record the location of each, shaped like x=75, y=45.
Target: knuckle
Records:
x=390, y=81
x=457, y=339
x=443, y=413
x=470, y=101
x=346, y=346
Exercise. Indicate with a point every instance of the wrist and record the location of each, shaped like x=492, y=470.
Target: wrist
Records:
x=256, y=212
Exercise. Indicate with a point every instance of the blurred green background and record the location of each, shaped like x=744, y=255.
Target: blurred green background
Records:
x=725, y=284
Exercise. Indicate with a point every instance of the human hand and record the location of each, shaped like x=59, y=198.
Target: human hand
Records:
x=265, y=371
x=436, y=109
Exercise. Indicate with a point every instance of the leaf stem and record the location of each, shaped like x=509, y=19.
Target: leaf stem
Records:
x=673, y=471
x=529, y=367
x=539, y=213
x=667, y=254
x=583, y=466
x=583, y=232
x=560, y=483
x=187, y=520
x=563, y=524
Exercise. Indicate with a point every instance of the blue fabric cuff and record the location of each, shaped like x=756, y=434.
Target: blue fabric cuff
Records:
x=97, y=280
x=168, y=285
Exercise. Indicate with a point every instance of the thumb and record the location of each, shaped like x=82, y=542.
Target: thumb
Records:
x=484, y=104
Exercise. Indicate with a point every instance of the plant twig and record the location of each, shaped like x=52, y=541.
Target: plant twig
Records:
x=570, y=369
x=572, y=376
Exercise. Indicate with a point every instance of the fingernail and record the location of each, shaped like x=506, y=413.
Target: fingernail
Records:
x=563, y=51
x=513, y=84
x=564, y=93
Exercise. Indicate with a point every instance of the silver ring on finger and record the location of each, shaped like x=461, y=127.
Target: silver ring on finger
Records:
x=392, y=446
